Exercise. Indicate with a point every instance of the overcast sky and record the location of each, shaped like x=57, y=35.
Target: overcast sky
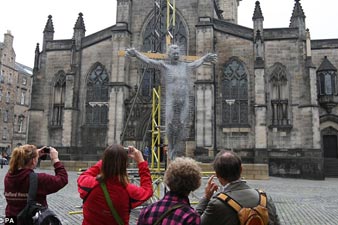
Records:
x=27, y=19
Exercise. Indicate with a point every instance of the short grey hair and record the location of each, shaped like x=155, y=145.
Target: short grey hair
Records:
x=183, y=176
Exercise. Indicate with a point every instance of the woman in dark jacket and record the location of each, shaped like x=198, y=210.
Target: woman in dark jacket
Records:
x=23, y=162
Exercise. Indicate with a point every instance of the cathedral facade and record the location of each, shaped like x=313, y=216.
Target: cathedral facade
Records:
x=271, y=96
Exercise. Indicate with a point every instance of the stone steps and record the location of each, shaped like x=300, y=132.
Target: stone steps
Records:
x=331, y=167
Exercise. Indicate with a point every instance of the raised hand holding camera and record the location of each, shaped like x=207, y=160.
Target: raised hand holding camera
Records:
x=54, y=155
x=43, y=152
x=48, y=150
x=135, y=154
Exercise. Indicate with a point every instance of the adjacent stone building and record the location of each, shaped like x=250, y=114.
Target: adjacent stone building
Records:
x=15, y=92
x=271, y=96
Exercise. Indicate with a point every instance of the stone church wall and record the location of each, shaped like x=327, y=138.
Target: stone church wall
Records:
x=229, y=46
x=290, y=150
x=101, y=53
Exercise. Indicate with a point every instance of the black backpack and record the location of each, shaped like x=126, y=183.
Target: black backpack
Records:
x=34, y=213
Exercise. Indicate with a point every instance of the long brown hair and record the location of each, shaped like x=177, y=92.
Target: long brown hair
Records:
x=21, y=156
x=114, y=164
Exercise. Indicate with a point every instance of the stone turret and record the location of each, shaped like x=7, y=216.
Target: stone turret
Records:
x=36, y=58
x=123, y=12
x=230, y=10
x=258, y=19
x=298, y=19
x=48, y=32
x=259, y=50
x=79, y=31
x=205, y=10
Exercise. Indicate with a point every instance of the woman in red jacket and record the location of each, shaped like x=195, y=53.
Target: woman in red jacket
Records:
x=23, y=162
x=112, y=170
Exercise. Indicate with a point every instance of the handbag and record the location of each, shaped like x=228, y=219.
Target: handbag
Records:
x=110, y=204
x=34, y=213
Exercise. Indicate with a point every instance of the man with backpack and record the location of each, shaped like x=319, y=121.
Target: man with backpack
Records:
x=235, y=202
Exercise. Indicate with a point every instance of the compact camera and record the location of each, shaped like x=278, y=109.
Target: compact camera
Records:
x=46, y=150
x=126, y=149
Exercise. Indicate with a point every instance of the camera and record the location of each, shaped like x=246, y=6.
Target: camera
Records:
x=126, y=149
x=46, y=150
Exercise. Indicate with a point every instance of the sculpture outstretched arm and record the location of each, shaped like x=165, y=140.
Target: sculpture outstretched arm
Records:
x=132, y=52
x=210, y=57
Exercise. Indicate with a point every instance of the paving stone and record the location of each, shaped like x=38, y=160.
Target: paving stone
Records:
x=298, y=201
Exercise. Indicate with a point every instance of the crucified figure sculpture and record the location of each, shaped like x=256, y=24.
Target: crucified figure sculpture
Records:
x=177, y=80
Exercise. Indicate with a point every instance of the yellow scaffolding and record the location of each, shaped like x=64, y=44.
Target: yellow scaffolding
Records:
x=156, y=105
x=171, y=19
x=155, y=128
x=156, y=137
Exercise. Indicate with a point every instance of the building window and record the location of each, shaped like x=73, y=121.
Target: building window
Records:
x=4, y=133
x=2, y=76
x=234, y=94
x=5, y=119
x=156, y=30
x=59, y=99
x=279, y=92
x=10, y=78
x=8, y=97
x=97, y=96
x=154, y=40
x=327, y=81
x=24, y=81
x=20, y=123
x=22, y=99
x=326, y=84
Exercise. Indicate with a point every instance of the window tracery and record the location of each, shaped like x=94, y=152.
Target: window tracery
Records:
x=97, y=96
x=234, y=94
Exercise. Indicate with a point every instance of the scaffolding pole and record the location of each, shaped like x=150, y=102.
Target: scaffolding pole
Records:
x=171, y=19
x=156, y=129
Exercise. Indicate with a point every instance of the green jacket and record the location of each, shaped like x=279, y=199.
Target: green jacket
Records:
x=216, y=212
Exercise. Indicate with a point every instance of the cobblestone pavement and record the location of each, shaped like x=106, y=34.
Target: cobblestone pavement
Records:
x=298, y=201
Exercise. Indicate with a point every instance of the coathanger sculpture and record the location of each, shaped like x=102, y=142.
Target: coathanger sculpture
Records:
x=176, y=75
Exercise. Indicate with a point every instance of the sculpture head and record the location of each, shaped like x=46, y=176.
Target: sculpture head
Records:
x=174, y=52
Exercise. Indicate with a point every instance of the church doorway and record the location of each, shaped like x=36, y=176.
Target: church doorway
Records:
x=330, y=142
x=330, y=151
x=330, y=146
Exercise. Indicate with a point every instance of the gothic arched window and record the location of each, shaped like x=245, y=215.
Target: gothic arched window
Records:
x=97, y=96
x=326, y=75
x=154, y=39
x=156, y=31
x=234, y=94
x=279, y=92
x=59, y=98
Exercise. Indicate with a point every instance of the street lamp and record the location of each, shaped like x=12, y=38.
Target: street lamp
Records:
x=230, y=102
